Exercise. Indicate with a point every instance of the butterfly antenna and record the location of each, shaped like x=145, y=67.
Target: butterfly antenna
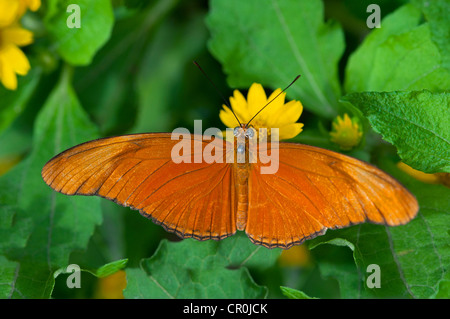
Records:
x=217, y=90
x=287, y=87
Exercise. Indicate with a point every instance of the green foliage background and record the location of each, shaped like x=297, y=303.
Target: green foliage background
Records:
x=129, y=69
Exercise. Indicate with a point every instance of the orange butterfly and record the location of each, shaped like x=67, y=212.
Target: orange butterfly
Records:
x=313, y=189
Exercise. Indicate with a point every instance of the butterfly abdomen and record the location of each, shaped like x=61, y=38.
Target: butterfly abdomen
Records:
x=241, y=177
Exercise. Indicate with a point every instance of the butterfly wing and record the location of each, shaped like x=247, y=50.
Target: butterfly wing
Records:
x=315, y=189
x=190, y=199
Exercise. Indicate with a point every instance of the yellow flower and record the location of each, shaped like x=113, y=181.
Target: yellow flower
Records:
x=112, y=286
x=276, y=115
x=7, y=162
x=296, y=256
x=436, y=178
x=421, y=176
x=346, y=132
x=12, y=60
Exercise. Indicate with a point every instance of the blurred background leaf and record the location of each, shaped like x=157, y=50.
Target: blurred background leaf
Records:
x=384, y=59
x=107, y=87
x=14, y=103
x=77, y=46
x=162, y=72
x=284, y=39
x=439, y=21
x=59, y=224
x=7, y=275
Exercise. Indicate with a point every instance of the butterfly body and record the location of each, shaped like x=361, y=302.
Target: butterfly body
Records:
x=241, y=177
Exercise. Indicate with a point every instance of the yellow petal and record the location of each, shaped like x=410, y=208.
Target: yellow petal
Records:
x=290, y=131
x=271, y=114
x=256, y=98
x=239, y=106
x=238, y=101
x=339, y=122
x=16, y=59
x=8, y=12
x=17, y=36
x=421, y=176
x=227, y=117
x=276, y=106
x=8, y=77
x=33, y=5
x=347, y=120
x=288, y=114
x=279, y=101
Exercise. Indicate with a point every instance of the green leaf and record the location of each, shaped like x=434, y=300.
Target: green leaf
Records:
x=77, y=46
x=413, y=258
x=8, y=271
x=14, y=232
x=139, y=4
x=417, y=123
x=272, y=41
x=240, y=252
x=194, y=269
x=162, y=71
x=444, y=287
x=52, y=224
x=110, y=81
x=103, y=271
x=111, y=268
x=335, y=262
x=294, y=293
x=398, y=56
x=13, y=102
x=439, y=20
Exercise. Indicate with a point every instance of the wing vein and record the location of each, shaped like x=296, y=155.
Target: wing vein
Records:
x=145, y=179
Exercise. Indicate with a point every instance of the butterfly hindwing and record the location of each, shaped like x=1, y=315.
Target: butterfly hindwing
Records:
x=315, y=189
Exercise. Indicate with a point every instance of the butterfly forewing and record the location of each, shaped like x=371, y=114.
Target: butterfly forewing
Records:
x=188, y=198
